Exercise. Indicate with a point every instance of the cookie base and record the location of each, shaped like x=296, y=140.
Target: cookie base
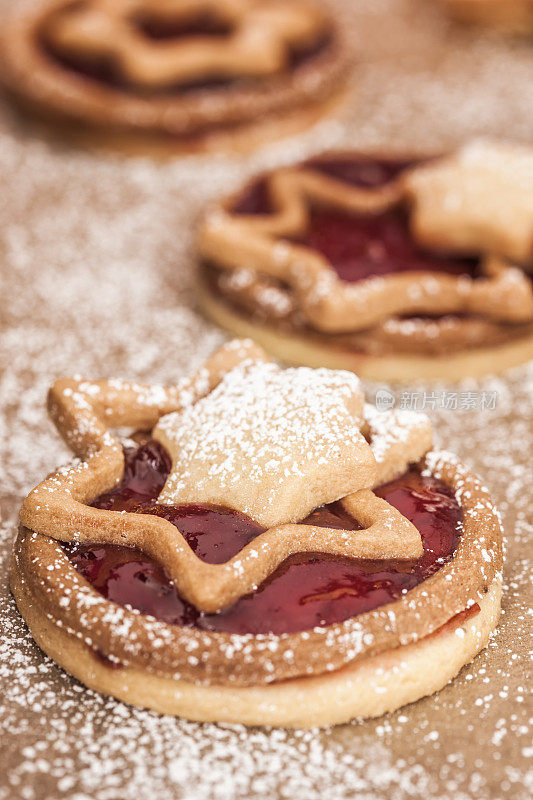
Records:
x=240, y=138
x=368, y=688
x=299, y=350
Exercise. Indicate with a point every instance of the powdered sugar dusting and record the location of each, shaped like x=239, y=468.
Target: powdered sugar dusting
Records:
x=96, y=278
x=390, y=428
x=271, y=443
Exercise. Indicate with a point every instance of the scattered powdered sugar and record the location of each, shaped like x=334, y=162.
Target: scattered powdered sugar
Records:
x=96, y=279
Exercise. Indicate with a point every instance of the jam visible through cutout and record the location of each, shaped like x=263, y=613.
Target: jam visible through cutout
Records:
x=169, y=28
x=365, y=173
x=305, y=591
x=361, y=246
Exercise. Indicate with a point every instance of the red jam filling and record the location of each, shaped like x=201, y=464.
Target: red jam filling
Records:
x=202, y=25
x=305, y=591
x=361, y=246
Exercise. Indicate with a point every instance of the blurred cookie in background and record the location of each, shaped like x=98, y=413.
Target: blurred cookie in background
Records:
x=185, y=74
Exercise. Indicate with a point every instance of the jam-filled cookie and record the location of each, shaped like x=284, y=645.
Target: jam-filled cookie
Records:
x=396, y=269
x=196, y=73
x=266, y=548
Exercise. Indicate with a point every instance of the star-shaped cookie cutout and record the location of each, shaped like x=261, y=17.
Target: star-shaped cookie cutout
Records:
x=255, y=41
x=274, y=444
x=479, y=199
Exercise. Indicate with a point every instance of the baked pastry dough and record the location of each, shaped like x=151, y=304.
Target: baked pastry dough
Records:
x=175, y=72
x=479, y=199
x=300, y=423
x=392, y=651
x=425, y=267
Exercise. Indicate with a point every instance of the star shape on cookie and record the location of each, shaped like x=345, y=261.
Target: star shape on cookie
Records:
x=257, y=41
x=271, y=443
x=246, y=434
x=478, y=199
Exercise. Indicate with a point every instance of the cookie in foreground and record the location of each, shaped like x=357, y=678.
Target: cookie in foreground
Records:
x=265, y=549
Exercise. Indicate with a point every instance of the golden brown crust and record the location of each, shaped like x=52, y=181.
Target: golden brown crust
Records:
x=56, y=510
x=34, y=75
x=403, y=364
x=264, y=301
x=368, y=687
x=131, y=638
x=263, y=243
